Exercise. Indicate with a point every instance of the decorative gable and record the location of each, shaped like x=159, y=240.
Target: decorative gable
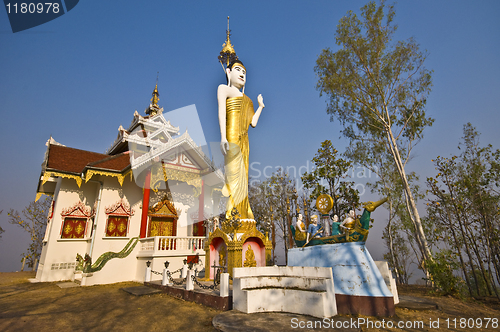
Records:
x=79, y=210
x=120, y=208
x=165, y=208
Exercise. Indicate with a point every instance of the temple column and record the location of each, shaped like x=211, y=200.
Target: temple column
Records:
x=145, y=205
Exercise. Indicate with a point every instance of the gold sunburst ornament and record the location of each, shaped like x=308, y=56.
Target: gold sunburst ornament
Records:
x=324, y=203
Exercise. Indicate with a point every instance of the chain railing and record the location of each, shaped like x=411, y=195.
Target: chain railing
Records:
x=193, y=277
x=178, y=283
x=212, y=287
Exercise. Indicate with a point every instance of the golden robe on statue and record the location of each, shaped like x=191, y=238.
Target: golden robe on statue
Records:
x=300, y=234
x=239, y=113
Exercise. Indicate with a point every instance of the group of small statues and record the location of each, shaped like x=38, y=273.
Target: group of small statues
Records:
x=330, y=227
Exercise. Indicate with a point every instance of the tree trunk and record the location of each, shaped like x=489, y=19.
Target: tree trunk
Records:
x=419, y=231
x=457, y=245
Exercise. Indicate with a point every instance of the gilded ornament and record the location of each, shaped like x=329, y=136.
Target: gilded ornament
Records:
x=67, y=229
x=92, y=172
x=324, y=203
x=49, y=174
x=111, y=227
x=79, y=229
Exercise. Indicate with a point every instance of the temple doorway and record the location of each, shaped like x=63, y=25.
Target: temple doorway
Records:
x=162, y=226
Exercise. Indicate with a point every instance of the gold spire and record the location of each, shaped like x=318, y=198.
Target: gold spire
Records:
x=153, y=108
x=227, y=55
x=156, y=96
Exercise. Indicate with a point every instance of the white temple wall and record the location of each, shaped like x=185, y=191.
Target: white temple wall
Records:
x=47, y=234
x=59, y=255
x=116, y=269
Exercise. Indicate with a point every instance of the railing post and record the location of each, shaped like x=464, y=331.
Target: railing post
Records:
x=189, y=280
x=155, y=245
x=147, y=276
x=224, y=285
x=184, y=270
x=165, y=281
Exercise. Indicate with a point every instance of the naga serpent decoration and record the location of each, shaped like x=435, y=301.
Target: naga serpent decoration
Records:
x=85, y=264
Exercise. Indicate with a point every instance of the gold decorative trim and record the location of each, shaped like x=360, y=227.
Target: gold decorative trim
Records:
x=192, y=179
x=254, y=232
x=215, y=234
x=49, y=174
x=91, y=172
x=158, y=176
x=39, y=194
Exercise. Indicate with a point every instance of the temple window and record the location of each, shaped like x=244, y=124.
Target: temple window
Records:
x=74, y=228
x=75, y=221
x=118, y=217
x=117, y=226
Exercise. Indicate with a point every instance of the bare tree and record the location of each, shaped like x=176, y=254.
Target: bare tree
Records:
x=33, y=220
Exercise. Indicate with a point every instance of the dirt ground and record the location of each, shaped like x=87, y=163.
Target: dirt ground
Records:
x=46, y=307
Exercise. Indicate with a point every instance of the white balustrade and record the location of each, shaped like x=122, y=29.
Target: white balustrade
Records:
x=165, y=244
x=147, y=244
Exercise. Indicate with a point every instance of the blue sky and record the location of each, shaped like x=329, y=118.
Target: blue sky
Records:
x=81, y=76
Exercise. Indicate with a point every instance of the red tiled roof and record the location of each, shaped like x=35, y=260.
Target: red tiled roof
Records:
x=114, y=163
x=64, y=159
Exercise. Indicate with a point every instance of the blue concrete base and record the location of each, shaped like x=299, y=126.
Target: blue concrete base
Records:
x=354, y=271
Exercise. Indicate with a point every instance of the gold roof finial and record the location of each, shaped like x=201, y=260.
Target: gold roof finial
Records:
x=153, y=108
x=156, y=95
x=227, y=55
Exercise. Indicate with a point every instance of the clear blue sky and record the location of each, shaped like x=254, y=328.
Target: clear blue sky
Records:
x=80, y=76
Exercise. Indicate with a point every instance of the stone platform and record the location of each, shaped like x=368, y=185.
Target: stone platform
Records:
x=293, y=289
x=359, y=286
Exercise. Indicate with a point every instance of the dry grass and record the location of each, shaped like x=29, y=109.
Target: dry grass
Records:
x=46, y=307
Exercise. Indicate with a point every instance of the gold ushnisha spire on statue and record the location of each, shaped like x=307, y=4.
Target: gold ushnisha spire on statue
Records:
x=227, y=55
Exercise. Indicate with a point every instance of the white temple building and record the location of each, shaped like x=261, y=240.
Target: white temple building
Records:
x=145, y=199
